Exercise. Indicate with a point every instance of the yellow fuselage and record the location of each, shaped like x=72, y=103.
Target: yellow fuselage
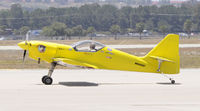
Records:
x=106, y=58
x=164, y=58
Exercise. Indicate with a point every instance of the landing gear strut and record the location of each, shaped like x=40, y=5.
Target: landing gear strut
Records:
x=47, y=80
x=158, y=70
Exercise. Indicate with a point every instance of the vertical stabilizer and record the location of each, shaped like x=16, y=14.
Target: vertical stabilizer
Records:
x=165, y=55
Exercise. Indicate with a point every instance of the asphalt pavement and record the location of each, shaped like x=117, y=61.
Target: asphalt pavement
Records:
x=98, y=90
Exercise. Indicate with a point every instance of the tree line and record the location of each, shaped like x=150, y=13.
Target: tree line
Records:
x=90, y=18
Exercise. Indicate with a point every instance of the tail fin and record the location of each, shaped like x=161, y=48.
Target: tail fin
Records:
x=165, y=56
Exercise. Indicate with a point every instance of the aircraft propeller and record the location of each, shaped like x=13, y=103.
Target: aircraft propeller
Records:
x=24, y=55
x=38, y=60
x=26, y=43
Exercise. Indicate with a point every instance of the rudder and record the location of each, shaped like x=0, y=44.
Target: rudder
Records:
x=167, y=53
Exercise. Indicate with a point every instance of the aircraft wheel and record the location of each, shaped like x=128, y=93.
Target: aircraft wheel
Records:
x=43, y=78
x=173, y=81
x=47, y=80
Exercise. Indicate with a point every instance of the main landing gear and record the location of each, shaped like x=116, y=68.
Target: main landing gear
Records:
x=47, y=80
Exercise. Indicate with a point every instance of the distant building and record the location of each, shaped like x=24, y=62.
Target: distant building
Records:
x=164, y=2
x=172, y=2
x=178, y=1
x=36, y=32
x=31, y=0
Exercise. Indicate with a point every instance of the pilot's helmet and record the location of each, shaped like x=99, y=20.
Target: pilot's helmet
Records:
x=92, y=46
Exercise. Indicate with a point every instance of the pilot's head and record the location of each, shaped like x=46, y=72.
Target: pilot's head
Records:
x=92, y=46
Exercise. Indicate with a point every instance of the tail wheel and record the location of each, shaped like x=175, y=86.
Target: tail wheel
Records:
x=173, y=81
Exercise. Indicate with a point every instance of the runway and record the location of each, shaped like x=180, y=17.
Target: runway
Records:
x=98, y=90
x=116, y=46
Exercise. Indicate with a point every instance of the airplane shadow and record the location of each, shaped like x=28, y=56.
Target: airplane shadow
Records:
x=168, y=83
x=78, y=84
x=91, y=84
x=88, y=84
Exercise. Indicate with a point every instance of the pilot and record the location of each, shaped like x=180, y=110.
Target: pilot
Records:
x=92, y=47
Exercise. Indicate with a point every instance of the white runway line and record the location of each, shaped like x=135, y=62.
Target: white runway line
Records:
x=115, y=46
x=10, y=48
x=98, y=90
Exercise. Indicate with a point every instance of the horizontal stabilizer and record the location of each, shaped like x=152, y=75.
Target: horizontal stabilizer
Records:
x=161, y=58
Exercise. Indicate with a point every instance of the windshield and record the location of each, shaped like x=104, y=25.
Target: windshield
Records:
x=87, y=46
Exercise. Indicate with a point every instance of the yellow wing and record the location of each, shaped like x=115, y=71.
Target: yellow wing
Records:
x=70, y=62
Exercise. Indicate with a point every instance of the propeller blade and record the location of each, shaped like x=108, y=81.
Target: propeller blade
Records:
x=26, y=43
x=27, y=35
x=24, y=55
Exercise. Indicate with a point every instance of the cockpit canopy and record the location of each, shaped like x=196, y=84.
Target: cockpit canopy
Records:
x=87, y=46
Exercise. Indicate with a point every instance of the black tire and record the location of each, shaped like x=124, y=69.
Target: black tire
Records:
x=43, y=78
x=48, y=81
x=173, y=81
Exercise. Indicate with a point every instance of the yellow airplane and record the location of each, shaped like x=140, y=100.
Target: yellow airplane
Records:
x=163, y=59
